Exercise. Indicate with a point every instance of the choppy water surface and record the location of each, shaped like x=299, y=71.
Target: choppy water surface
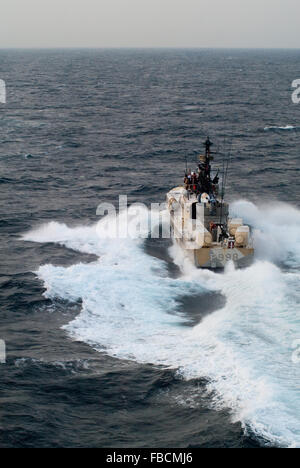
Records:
x=124, y=340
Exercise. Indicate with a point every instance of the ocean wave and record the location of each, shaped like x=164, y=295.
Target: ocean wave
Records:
x=73, y=367
x=244, y=350
x=274, y=127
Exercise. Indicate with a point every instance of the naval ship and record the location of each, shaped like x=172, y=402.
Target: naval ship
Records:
x=200, y=220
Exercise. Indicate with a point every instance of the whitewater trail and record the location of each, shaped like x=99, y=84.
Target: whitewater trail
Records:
x=244, y=351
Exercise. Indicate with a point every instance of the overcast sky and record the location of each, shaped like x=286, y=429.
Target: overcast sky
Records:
x=150, y=23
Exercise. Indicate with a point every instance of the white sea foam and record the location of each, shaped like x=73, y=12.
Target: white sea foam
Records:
x=244, y=350
x=274, y=127
x=277, y=230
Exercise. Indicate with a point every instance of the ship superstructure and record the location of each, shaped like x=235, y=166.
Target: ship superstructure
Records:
x=200, y=219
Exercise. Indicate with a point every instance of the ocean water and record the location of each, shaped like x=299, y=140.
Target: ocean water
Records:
x=123, y=343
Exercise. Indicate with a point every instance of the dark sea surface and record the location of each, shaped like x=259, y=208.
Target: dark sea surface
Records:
x=115, y=343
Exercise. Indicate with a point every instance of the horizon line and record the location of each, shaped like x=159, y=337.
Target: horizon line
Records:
x=145, y=48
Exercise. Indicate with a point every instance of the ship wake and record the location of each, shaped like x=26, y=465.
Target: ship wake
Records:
x=245, y=351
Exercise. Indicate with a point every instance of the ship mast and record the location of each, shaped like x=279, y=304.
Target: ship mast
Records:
x=208, y=157
x=208, y=144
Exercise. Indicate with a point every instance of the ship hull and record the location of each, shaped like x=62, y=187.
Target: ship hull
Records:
x=190, y=229
x=217, y=257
